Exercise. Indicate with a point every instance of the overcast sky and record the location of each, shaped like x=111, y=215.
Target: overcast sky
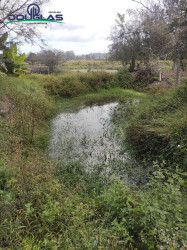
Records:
x=87, y=24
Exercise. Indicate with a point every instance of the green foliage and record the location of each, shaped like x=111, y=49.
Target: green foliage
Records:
x=30, y=105
x=74, y=84
x=5, y=177
x=96, y=80
x=13, y=64
x=3, y=39
x=50, y=205
x=65, y=86
x=76, y=212
x=148, y=218
x=90, y=183
x=157, y=128
x=124, y=80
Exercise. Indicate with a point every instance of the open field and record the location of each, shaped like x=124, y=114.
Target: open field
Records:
x=86, y=64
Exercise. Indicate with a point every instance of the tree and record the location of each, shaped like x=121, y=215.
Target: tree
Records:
x=32, y=58
x=155, y=32
x=156, y=42
x=126, y=41
x=172, y=14
x=177, y=26
x=70, y=55
x=50, y=58
x=3, y=40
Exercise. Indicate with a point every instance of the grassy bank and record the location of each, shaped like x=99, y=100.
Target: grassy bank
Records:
x=47, y=205
x=101, y=97
x=157, y=127
x=73, y=84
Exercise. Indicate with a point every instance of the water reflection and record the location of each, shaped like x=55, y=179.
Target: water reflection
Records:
x=86, y=136
x=89, y=137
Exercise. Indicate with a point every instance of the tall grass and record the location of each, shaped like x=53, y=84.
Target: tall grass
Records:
x=48, y=205
x=73, y=84
x=158, y=127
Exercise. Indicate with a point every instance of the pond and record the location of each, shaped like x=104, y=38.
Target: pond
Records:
x=90, y=137
x=87, y=136
x=94, y=70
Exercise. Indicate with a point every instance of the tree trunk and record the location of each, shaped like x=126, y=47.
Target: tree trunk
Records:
x=174, y=64
x=178, y=72
x=124, y=64
x=132, y=65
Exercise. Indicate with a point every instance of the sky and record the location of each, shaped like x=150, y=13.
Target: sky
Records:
x=87, y=25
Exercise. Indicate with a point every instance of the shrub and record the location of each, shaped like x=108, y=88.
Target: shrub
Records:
x=5, y=177
x=65, y=86
x=148, y=218
x=146, y=76
x=31, y=105
x=49, y=205
x=39, y=69
x=96, y=80
x=72, y=84
x=13, y=63
x=123, y=79
x=157, y=128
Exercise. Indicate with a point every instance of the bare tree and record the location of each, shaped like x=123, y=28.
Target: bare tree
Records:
x=173, y=14
x=51, y=58
x=32, y=58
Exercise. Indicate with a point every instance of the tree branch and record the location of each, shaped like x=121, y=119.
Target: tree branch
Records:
x=14, y=11
x=140, y=2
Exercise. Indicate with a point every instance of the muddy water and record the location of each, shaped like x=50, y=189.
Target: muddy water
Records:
x=95, y=70
x=86, y=136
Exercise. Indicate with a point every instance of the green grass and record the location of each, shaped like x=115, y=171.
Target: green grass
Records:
x=48, y=205
x=157, y=127
x=100, y=97
x=85, y=64
x=73, y=84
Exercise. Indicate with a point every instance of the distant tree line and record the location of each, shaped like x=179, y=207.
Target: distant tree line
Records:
x=157, y=31
x=52, y=58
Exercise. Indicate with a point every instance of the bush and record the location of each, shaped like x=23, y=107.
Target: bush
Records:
x=96, y=80
x=158, y=127
x=123, y=79
x=72, y=84
x=49, y=205
x=148, y=218
x=30, y=105
x=5, y=177
x=146, y=76
x=65, y=86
